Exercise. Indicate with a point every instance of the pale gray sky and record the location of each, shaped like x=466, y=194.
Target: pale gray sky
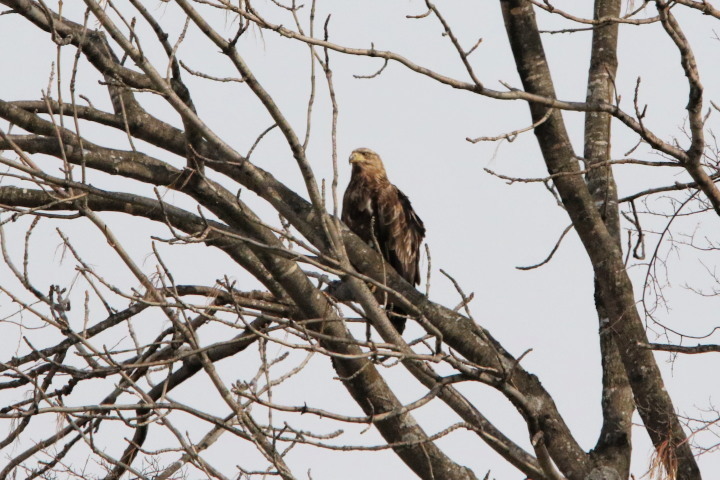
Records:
x=478, y=227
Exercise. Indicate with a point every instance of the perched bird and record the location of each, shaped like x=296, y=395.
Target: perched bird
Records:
x=379, y=213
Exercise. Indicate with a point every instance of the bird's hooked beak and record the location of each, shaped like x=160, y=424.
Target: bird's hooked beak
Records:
x=355, y=157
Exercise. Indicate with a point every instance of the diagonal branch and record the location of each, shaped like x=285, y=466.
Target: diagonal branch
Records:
x=693, y=162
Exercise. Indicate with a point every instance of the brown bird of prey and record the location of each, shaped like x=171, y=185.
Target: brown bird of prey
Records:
x=379, y=213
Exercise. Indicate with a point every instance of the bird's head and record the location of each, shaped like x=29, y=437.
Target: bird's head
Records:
x=367, y=160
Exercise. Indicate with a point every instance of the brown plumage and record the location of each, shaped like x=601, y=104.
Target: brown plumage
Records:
x=374, y=207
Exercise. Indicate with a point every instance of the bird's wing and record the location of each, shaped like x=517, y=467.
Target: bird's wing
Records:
x=359, y=209
x=400, y=232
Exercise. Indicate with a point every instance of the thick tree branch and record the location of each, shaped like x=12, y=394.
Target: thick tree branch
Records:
x=361, y=377
x=613, y=447
x=651, y=398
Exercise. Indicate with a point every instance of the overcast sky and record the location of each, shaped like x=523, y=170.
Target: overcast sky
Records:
x=478, y=227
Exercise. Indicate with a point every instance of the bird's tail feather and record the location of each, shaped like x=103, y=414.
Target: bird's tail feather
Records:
x=397, y=316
